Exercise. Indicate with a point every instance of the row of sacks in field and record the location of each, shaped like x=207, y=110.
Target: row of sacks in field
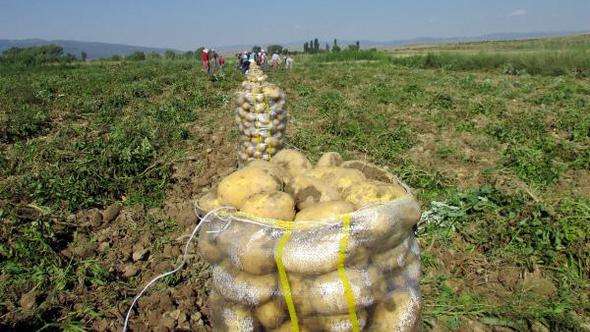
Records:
x=328, y=247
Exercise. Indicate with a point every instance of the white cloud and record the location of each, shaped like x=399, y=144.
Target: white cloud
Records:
x=518, y=12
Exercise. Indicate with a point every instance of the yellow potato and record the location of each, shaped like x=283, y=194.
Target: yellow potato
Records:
x=329, y=159
x=365, y=193
x=325, y=211
x=393, y=258
x=293, y=161
x=360, y=259
x=237, y=318
x=208, y=250
x=401, y=312
x=326, y=293
x=271, y=314
x=237, y=187
x=341, y=178
x=209, y=202
x=249, y=247
x=299, y=291
x=276, y=205
x=286, y=327
x=371, y=171
x=241, y=287
x=336, y=323
x=314, y=252
x=308, y=191
x=386, y=226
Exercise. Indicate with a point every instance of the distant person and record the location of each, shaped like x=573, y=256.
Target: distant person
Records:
x=239, y=60
x=213, y=62
x=245, y=63
x=221, y=61
x=262, y=59
x=205, y=59
x=289, y=62
x=275, y=59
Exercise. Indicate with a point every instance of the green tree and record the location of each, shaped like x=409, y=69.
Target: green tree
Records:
x=116, y=57
x=354, y=47
x=136, y=56
x=316, y=46
x=278, y=49
x=306, y=47
x=335, y=47
x=153, y=55
x=83, y=56
x=69, y=57
x=169, y=54
x=256, y=49
x=36, y=55
x=188, y=55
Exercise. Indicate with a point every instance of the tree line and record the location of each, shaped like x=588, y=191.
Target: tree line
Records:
x=36, y=55
x=313, y=46
x=48, y=54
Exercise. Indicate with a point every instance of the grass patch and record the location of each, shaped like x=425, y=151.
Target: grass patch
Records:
x=350, y=55
x=550, y=63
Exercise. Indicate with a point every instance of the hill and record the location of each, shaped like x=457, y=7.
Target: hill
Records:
x=394, y=43
x=95, y=50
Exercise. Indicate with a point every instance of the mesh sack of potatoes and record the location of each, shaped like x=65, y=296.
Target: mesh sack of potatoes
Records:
x=260, y=116
x=297, y=247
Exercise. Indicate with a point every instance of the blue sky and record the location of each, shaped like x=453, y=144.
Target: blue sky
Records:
x=185, y=24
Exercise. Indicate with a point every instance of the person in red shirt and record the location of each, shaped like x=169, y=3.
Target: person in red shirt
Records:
x=205, y=59
x=221, y=61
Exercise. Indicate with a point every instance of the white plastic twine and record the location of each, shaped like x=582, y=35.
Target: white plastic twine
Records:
x=205, y=219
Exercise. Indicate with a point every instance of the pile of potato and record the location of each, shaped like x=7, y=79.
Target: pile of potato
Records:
x=260, y=116
x=381, y=263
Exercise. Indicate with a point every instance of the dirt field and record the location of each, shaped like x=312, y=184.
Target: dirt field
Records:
x=100, y=164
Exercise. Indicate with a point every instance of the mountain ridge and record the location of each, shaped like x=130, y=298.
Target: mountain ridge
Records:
x=97, y=50
x=94, y=50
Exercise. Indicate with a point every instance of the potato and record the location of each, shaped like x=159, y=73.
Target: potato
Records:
x=326, y=293
x=360, y=259
x=325, y=211
x=276, y=205
x=208, y=250
x=271, y=314
x=208, y=202
x=393, y=258
x=329, y=159
x=241, y=287
x=230, y=316
x=341, y=178
x=286, y=327
x=314, y=251
x=293, y=161
x=308, y=191
x=249, y=247
x=399, y=313
x=371, y=171
x=299, y=285
x=237, y=318
x=369, y=192
x=336, y=323
x=237, y=187
x=386, y=226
